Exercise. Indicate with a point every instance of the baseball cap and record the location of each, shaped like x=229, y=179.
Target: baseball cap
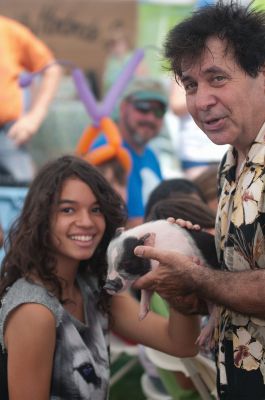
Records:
x=147, y=89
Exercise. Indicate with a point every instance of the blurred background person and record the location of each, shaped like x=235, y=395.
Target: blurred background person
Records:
x=171, y=188
x=207, y=183
x=116, y=175
x=141, y=113
x=195, y=151
x=119, y=51
x=22, y=51
x=115, y=165
x=185, y=207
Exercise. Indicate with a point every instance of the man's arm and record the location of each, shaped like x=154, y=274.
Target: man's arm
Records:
x=178, y=276
x=29, y=123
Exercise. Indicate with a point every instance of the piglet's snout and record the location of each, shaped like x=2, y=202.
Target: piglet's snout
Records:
x=113, y=285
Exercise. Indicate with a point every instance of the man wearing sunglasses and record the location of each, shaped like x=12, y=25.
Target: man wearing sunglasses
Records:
x=141, y=113
x=141, y=119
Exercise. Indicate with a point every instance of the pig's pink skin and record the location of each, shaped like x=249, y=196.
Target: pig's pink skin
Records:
x=144, y=303
x=206, y=335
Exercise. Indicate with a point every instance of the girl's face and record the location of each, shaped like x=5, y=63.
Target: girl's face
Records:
x=78, y=224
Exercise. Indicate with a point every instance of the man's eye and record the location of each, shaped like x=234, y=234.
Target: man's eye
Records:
x=190, y=86
x=219, y=78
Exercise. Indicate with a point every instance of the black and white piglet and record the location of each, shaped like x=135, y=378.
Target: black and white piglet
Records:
x=124, y=267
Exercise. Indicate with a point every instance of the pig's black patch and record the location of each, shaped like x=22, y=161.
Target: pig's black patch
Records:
x=118, y=232
x=129, y=262
x=205, y=242
x=113, y=284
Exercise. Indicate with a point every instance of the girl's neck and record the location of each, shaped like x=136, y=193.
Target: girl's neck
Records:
x=74, y=302
x=70, y=289
x=67, y=272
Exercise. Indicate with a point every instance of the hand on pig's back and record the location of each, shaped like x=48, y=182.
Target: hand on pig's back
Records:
x=172, y=273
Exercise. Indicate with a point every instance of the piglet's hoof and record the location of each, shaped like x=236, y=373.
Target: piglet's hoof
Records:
x=143, y=313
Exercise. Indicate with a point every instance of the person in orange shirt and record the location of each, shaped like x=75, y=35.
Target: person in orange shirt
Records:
x=22, y=51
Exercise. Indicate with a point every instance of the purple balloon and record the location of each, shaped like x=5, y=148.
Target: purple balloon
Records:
x=94, y=109
x=25, y=79
x=86, y=95
x=120, y=84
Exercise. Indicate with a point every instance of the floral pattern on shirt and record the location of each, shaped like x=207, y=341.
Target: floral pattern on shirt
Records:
x=240, y=230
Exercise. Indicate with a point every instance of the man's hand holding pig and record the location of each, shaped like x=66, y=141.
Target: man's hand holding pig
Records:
x=184, y=224
x=176, y=279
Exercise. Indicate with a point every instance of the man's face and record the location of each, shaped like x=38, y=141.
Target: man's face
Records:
x=141, y=121
x=225, y=102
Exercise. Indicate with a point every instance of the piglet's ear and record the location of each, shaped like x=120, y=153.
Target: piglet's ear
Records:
x=119, y=231
x=148, y=239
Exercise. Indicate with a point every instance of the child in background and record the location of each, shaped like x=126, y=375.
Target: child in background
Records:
x=116, y=175
x=171, y=188
x=50, y=291
x=184, y=207
x=207, y=183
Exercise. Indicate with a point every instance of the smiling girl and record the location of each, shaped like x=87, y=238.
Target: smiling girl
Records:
x=54, y=317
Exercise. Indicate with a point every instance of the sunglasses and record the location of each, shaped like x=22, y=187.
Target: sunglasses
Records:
x=145, y=107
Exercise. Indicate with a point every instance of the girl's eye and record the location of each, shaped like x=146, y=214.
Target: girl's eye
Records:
x=96, y=210
x=67, y=210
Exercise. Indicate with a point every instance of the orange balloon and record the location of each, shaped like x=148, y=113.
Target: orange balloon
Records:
x=87, y=138
x=106, y=152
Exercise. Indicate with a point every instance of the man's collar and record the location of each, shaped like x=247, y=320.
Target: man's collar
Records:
x=257, y=150
x=255, y=156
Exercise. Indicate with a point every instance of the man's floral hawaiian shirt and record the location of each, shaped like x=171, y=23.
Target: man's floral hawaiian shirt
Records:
x=240, y=230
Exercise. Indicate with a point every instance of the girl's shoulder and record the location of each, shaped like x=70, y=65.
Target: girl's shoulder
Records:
x=22, y=292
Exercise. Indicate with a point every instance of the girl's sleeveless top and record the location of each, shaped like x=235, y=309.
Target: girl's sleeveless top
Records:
x=81, y=359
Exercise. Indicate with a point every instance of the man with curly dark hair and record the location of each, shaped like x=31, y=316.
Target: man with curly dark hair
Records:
x=218, y=55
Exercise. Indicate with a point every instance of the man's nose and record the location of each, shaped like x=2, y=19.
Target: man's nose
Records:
x=204, y=99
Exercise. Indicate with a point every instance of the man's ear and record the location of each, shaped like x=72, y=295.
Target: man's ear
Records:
x=148, y=239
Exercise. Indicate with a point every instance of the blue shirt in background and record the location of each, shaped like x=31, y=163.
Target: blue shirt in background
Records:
x=143, y=178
